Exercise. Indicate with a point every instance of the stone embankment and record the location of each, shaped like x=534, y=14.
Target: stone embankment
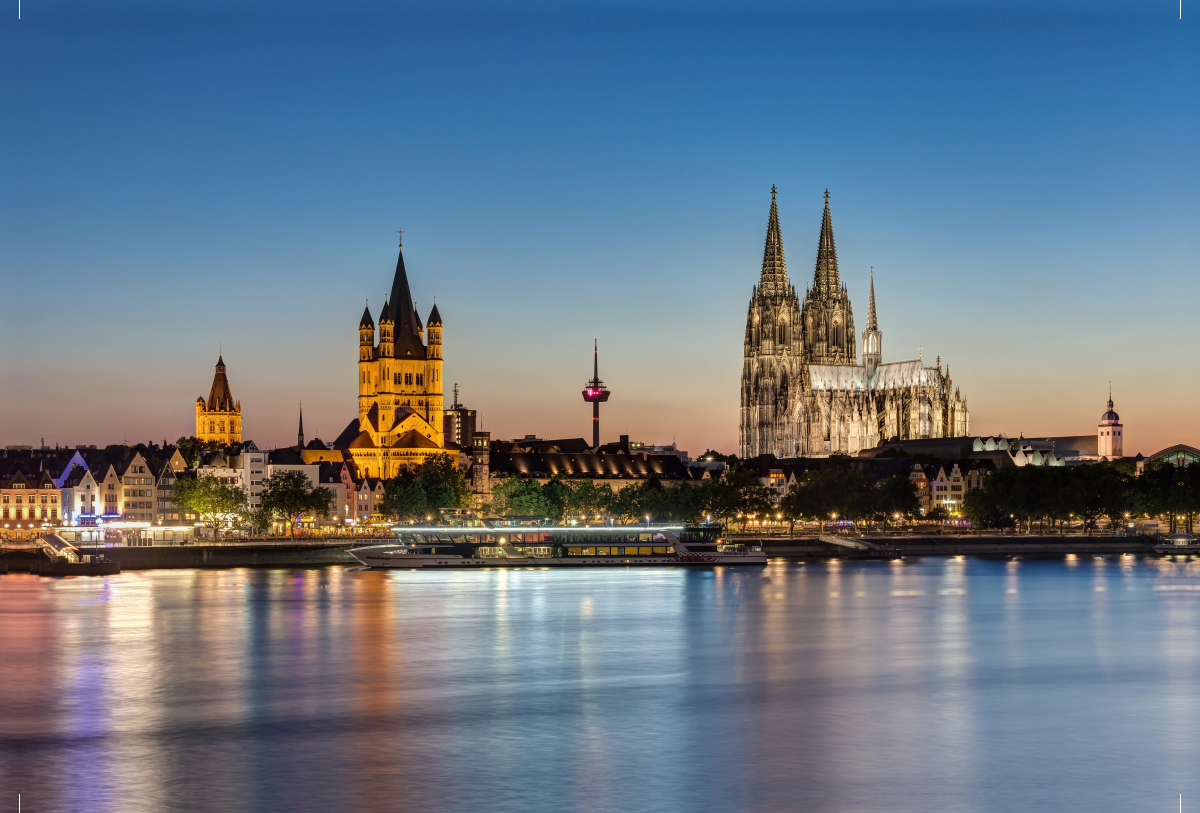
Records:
x=269, y=554
x=895, y=546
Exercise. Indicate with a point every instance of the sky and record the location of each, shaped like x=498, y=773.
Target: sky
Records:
x=187, y=178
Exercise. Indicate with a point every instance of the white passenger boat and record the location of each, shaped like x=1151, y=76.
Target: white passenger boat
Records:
x=558, y=546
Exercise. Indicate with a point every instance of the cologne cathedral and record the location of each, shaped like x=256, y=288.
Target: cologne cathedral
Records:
x=804, y=392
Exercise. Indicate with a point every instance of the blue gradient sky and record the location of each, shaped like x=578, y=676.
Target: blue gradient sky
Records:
x=1023, y=178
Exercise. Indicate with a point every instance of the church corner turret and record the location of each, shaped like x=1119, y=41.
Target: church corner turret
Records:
x=803, y=391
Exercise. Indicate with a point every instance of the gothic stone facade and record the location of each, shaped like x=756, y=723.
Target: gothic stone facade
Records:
x=804, y=392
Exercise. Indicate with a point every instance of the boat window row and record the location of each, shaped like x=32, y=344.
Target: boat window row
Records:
x=641, y=550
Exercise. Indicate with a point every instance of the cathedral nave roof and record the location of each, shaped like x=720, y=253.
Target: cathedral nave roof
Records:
x=853, y=377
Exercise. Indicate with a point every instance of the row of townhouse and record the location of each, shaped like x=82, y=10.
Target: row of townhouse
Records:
x=945, y=485
x=134, y=486
x=87, y=486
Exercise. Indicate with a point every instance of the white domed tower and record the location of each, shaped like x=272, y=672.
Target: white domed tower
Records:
x=1109, y=445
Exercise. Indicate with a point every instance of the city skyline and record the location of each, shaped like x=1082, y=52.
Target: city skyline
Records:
x=1027, y=209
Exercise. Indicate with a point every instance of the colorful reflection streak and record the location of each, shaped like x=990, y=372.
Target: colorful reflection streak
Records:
x=934, y=685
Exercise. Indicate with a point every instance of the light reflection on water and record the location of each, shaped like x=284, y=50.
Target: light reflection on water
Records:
x=944, y=684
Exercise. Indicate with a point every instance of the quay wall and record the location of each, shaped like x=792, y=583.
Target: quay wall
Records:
x=964, y=545
x=231, y=556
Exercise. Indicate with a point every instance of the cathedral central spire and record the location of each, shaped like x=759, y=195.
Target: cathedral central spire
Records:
x=871, y=323
x=826, y=281
x=774, y=281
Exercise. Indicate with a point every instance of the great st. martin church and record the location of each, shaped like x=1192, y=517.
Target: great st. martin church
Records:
x=804, y=392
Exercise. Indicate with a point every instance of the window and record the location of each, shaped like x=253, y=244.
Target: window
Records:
x=408, y=379
x=420, y=380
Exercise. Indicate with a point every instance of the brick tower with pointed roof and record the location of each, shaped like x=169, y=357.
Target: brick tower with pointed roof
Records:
x=220, y=417
x=399, y=421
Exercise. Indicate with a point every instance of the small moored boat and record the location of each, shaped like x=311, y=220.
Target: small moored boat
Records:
x=1179, y=543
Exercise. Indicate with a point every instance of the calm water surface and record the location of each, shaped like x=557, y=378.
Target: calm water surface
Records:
x=942, y=684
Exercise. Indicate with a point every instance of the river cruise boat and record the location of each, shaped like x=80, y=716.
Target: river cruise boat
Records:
x=1179, y=543
x=491, y=545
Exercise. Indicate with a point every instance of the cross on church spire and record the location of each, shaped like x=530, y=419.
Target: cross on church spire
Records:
x=401, y=233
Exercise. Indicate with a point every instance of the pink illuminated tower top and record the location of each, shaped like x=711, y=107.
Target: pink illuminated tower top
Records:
x=594, y=392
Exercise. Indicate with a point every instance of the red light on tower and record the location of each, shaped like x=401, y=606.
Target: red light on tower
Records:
x=594, y=392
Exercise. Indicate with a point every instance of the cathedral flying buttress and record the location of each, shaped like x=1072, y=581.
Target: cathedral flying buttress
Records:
x=804, y=393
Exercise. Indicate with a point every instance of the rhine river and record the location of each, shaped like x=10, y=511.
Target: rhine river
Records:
x=940, y=684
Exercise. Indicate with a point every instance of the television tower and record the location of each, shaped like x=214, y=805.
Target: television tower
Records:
x=595, y=392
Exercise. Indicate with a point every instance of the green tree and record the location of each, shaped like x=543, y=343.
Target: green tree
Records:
x=738, y=494
x=982, y=507
x=288, y=495
x=444, y=483
x=894, y=497
x=520, y=496
x=403, y=499
x=215, y=502
x=588, y=502
x=191, y=448
x=828, y=493
x=661, y=502
x=556, y=494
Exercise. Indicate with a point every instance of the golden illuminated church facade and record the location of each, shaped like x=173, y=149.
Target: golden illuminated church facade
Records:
x=399, y=421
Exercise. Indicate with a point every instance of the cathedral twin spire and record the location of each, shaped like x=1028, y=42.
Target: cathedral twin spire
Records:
x=826, y=282
x=774, y=281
